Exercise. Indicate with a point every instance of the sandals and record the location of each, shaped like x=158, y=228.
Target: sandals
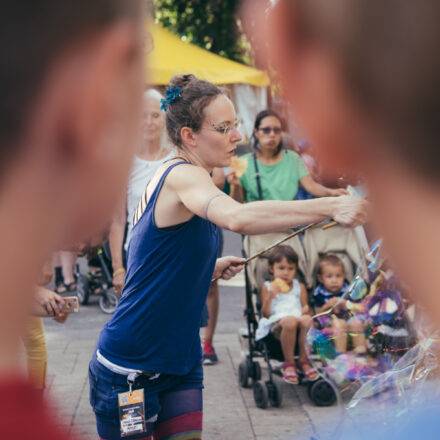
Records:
x=309, y=372
x=290, y=376
x=65, y=288
x=60, y=287
x=71, y=287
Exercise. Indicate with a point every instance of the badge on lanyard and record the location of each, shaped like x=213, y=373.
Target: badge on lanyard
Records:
x=132, y=412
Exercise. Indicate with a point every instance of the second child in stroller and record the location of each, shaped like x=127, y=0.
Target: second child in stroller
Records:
x=286, y=311
x=327, y=295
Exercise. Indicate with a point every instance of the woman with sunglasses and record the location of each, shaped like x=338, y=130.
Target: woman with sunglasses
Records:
x=272, y=172
x=152, y=341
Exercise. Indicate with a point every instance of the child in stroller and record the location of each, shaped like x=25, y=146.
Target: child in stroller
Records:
x=286, y=312
x=328, y=294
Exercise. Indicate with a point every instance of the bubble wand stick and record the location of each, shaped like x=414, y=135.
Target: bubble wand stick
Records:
x=288, y=237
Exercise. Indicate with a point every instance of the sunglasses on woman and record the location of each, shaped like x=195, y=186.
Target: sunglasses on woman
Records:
x=267, y=130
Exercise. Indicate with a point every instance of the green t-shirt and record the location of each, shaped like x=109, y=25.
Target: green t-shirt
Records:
x=278, y=182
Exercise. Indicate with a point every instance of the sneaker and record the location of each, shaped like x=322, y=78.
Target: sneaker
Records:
x=209, y=356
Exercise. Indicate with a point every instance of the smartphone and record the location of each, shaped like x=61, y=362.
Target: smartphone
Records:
x=72, y=304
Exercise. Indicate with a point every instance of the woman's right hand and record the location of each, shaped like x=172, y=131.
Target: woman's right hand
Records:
x=232, y=178
x=350, y=210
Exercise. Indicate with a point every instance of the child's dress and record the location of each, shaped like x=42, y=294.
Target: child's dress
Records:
x=284, y=304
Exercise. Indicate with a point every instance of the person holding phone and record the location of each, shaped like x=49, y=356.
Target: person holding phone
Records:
x=71, y=87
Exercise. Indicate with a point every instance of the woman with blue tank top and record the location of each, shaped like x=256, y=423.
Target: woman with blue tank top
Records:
x=152, y=341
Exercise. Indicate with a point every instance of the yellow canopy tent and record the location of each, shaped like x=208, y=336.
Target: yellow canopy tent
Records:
x=171, y=56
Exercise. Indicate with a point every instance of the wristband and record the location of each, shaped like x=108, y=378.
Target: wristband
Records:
x=118, y=271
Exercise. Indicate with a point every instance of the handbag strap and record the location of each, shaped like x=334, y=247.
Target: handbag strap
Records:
x=257, y=177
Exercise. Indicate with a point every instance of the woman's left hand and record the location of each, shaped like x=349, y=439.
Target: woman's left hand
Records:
x=227, y=267
x=339, y=192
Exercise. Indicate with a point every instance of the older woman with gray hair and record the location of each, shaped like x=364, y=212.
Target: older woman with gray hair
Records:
x=152, y=151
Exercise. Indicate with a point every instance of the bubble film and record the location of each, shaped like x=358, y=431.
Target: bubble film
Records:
x=367, y=337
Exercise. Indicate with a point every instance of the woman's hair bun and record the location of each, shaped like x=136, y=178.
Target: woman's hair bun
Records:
x=181, y=81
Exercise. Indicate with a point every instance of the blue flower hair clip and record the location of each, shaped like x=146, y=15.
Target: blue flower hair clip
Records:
x=171, y=95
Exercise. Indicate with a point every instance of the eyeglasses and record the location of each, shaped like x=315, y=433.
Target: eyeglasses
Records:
x=267, y=130
x=223, y=128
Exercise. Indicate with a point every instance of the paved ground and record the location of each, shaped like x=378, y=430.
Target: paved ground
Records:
x=229, y=411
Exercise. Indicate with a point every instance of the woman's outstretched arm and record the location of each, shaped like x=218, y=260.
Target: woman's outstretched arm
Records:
x=196, y=191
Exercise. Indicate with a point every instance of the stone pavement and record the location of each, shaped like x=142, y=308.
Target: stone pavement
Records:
x=229, y=411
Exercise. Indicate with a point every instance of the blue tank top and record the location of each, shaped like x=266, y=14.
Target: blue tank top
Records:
x=156, y=324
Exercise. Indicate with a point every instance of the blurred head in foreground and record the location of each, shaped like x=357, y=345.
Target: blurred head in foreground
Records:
x=362, y=77
x=71, y=100
x=71, y=85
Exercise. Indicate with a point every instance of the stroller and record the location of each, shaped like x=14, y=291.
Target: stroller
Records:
x=97, y=280
x=348, y=245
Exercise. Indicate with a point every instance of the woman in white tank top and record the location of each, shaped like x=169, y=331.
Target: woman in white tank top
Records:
x=152, y=152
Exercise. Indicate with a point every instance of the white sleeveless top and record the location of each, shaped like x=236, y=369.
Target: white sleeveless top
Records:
x=284, y=304
x=142, y=171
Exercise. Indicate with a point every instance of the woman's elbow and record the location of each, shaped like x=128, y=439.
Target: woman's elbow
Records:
x=235, y=224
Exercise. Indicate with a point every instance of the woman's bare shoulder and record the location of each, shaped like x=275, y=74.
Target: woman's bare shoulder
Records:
x=188, y=175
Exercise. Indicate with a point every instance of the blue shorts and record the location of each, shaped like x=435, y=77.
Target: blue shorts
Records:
x=106, y=385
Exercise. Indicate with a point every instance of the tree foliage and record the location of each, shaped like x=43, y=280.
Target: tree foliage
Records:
x=210, y=24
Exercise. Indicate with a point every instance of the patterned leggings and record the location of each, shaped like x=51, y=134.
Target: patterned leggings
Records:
x=179, y=419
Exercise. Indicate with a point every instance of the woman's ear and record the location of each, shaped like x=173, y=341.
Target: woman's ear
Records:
x=188, y=137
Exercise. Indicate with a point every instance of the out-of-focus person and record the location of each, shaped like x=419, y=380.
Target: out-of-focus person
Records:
x=363, y=78
x=71, y=86
x=153, y=149
x=210, y=312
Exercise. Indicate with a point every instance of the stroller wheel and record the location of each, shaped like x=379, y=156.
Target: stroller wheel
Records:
x=108, y=301
x=82, y=289
x=243, y=374
x=322, y=393
x=275, y=394
x=256, y=370
x=261, y=394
